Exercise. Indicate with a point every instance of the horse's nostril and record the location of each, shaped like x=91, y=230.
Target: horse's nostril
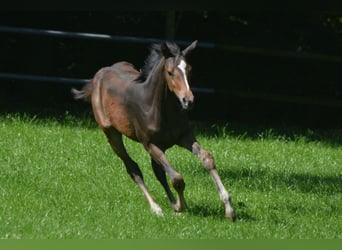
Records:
x=187, y=102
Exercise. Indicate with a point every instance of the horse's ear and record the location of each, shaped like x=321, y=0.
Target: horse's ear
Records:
x=166, y=50
x=189, y=48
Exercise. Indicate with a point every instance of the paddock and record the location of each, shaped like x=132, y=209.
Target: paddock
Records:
x=276, y=136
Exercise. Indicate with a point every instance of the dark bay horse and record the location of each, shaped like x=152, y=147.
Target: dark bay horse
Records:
x=149, y=107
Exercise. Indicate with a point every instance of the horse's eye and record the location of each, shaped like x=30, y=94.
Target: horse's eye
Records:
x=170, y=73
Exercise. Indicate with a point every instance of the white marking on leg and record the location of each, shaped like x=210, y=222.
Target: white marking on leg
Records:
x=182, y=66
x=156, y=209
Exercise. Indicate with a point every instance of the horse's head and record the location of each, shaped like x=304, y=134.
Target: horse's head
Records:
x=176, y=71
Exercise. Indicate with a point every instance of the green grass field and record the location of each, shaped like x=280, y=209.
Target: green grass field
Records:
x=59, y=179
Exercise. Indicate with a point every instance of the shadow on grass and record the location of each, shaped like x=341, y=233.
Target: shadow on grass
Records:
x=205, y=210
x=265, y=182
x=262, y=180
x=331, y=137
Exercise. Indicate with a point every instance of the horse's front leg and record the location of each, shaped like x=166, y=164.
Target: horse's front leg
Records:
x=177, y=181
x=189, y=142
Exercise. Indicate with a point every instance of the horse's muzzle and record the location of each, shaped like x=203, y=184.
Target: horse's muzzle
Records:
x=187, y=102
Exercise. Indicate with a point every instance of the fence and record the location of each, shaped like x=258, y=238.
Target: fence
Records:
x=203, y=45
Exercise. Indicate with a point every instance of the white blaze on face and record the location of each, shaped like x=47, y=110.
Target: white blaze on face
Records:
x=182, y=66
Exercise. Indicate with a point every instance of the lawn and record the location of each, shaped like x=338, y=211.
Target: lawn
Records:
x=59, y=179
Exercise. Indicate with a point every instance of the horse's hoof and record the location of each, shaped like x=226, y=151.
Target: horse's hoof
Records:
x=158, y=213
x=177, y=208
x=157, y=210
x=230, y=215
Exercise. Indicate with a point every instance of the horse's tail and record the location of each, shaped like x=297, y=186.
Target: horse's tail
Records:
x=84, y=93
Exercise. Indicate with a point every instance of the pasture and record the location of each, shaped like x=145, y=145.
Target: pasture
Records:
x=59, y=179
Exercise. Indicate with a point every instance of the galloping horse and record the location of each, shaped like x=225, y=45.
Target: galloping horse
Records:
x=148, y=106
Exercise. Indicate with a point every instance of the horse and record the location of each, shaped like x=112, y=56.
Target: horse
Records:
x=149, y=106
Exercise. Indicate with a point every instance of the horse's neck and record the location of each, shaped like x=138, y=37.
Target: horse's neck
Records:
x=155, y=86
x=157, y=96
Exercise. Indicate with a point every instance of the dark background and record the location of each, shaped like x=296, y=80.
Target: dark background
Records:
x=269, y=67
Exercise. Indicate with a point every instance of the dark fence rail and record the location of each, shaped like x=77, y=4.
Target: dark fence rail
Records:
x=147, y=40
x=95, y=36
x=45, y=79
x=74, y=81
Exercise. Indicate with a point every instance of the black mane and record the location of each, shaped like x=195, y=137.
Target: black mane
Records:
x=154, y=57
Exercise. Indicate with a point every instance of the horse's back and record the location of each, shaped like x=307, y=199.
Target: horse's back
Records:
x=114, y=80
x=122, y=72
x=125, y=71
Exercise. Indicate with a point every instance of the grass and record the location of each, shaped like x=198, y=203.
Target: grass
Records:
x=60, y=179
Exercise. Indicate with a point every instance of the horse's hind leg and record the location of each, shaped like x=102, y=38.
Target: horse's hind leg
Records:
x=115, y=140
